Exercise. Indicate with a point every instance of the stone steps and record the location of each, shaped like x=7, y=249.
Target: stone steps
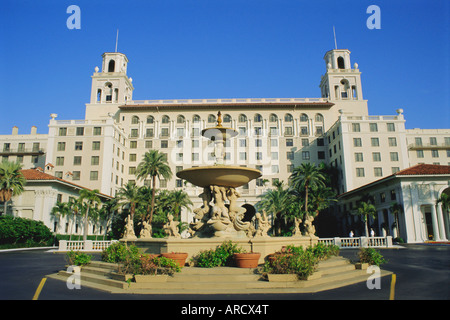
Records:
x=332, y=273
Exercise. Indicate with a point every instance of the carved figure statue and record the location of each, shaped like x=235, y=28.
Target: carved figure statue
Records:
x=263, y=225
x=201, y=215
x=146, y=231
x=129, y=229
x=171, y=228
x=310, y=229
x=235, y=212
x=296, y=232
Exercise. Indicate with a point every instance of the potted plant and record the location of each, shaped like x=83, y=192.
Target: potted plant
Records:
x=222, y=255
x=178, y=257
x=247, y=259
x=367, y=257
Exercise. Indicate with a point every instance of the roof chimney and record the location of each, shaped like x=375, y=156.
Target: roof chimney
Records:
x=33, y=130
x=15, y=130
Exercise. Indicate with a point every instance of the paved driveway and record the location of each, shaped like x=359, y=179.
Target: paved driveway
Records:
x=422, y=272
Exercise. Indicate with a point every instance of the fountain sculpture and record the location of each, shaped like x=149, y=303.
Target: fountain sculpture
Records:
x=219, y=184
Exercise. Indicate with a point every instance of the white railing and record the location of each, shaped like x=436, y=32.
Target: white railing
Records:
x=358, y=242
x=80, y=245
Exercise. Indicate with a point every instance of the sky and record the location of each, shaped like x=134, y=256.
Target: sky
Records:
x=198, y=49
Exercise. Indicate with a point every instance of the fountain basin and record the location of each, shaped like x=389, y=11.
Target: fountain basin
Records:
x=219, y=175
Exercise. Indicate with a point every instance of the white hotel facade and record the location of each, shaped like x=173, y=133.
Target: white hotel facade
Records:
x=103, y=150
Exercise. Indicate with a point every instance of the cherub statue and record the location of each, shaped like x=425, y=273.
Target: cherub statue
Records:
x=146, y=231
x=171, y=228
x=296, y=232
x=129, y=229
x=263, y=224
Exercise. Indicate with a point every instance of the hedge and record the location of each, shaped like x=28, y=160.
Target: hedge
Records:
x=15, y=230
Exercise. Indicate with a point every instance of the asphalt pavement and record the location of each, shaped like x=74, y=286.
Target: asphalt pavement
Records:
x=421, y=271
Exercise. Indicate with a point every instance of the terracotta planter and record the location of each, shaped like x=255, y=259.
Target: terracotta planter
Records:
x=178, y=257
x=247, y=260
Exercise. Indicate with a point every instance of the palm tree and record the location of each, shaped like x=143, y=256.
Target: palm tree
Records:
x=396, y=209
x=306, y=177
x=444, y=199
x=179, y=199
x=90, y=198
x=154, y=165
x=61, y=209
x=364, y=210
x=321, y=199
x=12, y=181
x=75, y=206
x=129, y=195
x=274, y=202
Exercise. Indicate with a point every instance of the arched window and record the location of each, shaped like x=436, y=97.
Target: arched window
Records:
x=196, y=118
x=242, y=118
x=227, y=118
x=108, y=91
x=165, y=119
x=340, y=62
x=303, y=117
x=257, y=118
x=135, y=120
x=273, y=117
x=150, y=119
x=211, y=118
x=288, y=117
x=111, y=66
x=99, y=95
x=319, y=117
x=180, y=119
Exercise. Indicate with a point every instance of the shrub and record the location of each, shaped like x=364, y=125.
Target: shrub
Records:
x=371, y=256
x=302, y=263
x=16, y=230
x=119, y=252
x=221, y=256
x=78, y=258
x=151, y=264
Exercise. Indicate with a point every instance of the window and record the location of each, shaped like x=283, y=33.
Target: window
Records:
x=134, y=133
x=357, y=142
x=273, y=131
x=131, y=170
x=179, y=157
x=447, y=141
x=95, y=160
x=393, y=195
x=93, y=175
x=376, y=156
x=288, y=118
x=258, y=118
x=304, y=131
x=356, y=127
x=76, y=175
x=195, y=157
x=195, y=132
x=258, y=143
x=242, y=118
x=196, y=118
x=319, y=130
x=290, y=155
x=319, y=117
x=433, y=141
x=288, y=131
x=273, y=118
x=211, y=118
x=258, y=131
x=62, y=132
x=149, y=133
x=164, y=132
x=165, y=119
x=360, y=172
x=290, y=142
x=373, y=127
x=274, y=155
x=135, y=120
x=321, y=155
x=418, y=141
x=273, y=142
x=148, y=144
x=258, y=155
x=195, y=143
x=78, y=146
x=97, y=131
x=179, y=143
x=378, y=172
x=340, y=62
x=305, y=155
x=419, y=153
x=133, y=144
x=164, y=144
x=395, y=169
x=180, y=119
x=392, y=142
x=359, y=157
x=95, y=145
x=435, y=153
x=179, y=183
x=394, y=156
x=242, y=155
x=375, y=142
x=180, y=132
x=303, y=118
x=59, y=161
x=132, y=157
x=275, y=168
x=382, y=197
x=80, y=131
x=150, y=119
x=61, y=146
x=390, y=127
x=77, y=160
x=242, y=131
x=320, y=142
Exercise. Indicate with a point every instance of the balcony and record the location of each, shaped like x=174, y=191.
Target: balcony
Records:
x=428, y=146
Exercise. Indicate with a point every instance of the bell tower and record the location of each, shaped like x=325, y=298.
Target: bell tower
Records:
x=341, y=82
x=111, y=87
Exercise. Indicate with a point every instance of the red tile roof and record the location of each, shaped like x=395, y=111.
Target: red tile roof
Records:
x=36, y=175
x=424, y=169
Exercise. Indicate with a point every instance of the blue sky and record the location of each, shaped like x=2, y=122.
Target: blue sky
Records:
x=222, y=49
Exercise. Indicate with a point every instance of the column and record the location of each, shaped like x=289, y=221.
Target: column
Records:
x=435, y=223
x=441, y=223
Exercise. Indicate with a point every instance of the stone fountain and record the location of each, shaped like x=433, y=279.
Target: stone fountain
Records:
x=219, y=183
x=220, y=218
